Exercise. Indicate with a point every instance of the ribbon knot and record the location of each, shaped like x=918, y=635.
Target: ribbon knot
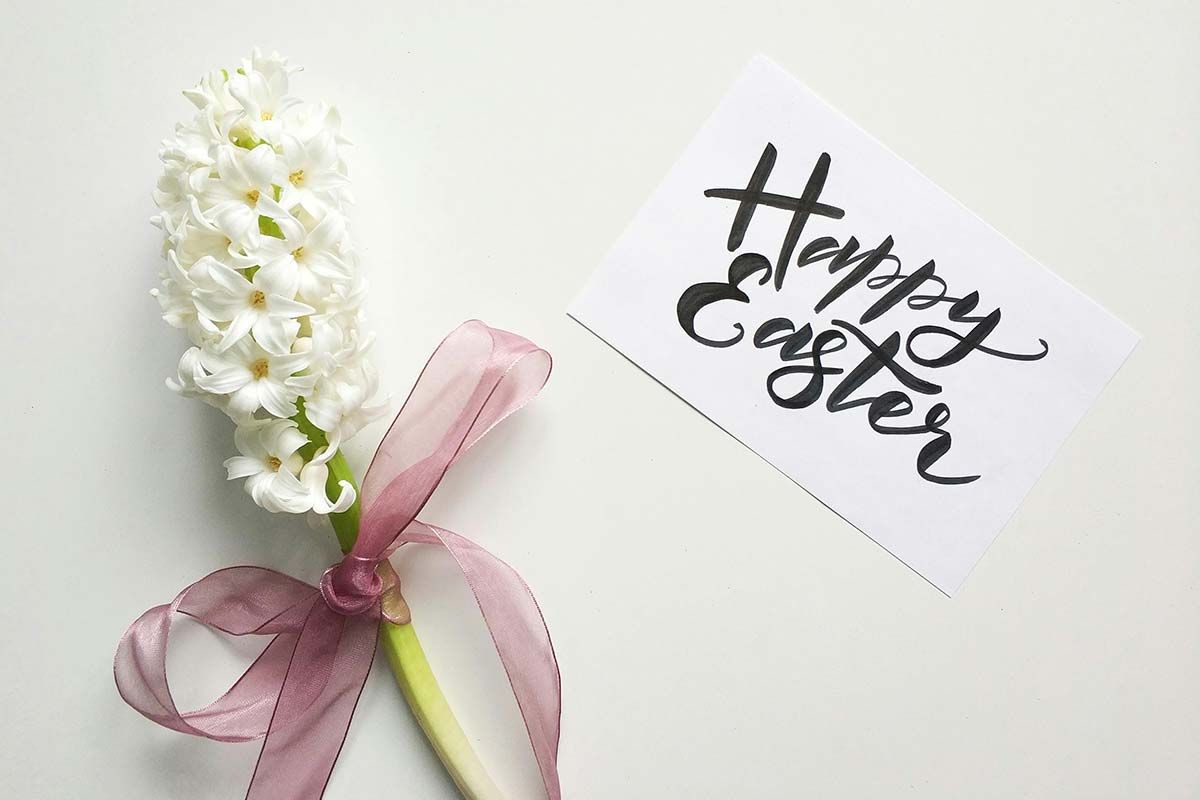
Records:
x=351, y=586
x=300, y=694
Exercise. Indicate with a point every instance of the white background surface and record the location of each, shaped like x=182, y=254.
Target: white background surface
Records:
x=721, y=633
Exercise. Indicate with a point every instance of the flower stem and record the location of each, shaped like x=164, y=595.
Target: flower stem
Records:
x=405, y=654
x=429, y=706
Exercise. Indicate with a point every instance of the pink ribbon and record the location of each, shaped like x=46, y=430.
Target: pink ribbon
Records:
x=300, y=693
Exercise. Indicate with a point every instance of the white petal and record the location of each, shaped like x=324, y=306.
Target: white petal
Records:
x=275, y=335
x=276, y=399
x=259, y=165
x=232, y=175
x=239, y=222
x=232, y=281
x=277, y=277
x=228, y=380
x=238, y=328
x=289, y=364
x=268, y=207
x=246, y=438
x=321, y=149
x=290, y=440
x=314, y=476
x=245, y=400
x=288, y=483
x=278, y=306
x=328, y=266
x=218, y=306
x=300, y=384
x=334, y=437
x=242, y=467
x=327, y=234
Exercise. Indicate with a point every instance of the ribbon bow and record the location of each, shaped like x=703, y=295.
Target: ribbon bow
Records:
x=301, y=692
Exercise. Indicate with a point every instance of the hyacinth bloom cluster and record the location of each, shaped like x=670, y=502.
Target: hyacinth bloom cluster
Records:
x=262, y=277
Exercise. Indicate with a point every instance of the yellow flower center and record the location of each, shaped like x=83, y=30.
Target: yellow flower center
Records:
x=274, y=463
x=296, y=177
x=258, y=299
x=252, y=196
x=298, y=253
x=266, y=116
x=259, y=369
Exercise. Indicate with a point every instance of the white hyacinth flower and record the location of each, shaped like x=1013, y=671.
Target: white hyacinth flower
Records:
x=230, y=200
x=254, y=378
x=175, y=297
x=310, y=251
x=270, y=463
x=262, y=277
x=259, y=304
x=313, y=171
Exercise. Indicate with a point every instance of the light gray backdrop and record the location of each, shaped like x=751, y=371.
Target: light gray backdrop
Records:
x=721, y=633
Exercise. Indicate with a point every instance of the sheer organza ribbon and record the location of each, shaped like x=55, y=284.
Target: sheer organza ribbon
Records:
x=301, y=691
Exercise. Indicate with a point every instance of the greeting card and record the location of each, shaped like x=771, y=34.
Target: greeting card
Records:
x=834, y=310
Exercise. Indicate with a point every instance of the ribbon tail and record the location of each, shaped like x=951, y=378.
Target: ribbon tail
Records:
x=324, y=680
x=239, y=601
x=521, y=638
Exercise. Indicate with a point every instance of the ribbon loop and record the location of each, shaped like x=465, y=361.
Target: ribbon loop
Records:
x=300, y=694
x=239, y=601
x=476, y=377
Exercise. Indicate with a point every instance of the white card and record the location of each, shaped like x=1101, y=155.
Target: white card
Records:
x=815, y=353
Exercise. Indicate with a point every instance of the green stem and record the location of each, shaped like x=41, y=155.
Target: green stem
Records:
x=404, y=652
x=429, y=706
